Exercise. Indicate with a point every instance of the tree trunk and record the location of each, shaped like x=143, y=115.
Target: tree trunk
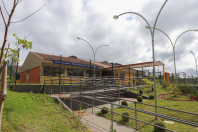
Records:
x=3, y=91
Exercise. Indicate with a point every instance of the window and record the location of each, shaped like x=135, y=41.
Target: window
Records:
x=75, y=72
x=52, y=71
x=122, y=75
x=46, y=71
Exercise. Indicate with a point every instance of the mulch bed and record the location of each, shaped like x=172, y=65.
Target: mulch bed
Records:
x=162, y=96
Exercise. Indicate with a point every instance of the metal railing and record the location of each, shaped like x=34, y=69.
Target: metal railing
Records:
x=108, y=88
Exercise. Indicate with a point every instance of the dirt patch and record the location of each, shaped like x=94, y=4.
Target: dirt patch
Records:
x=192, y=98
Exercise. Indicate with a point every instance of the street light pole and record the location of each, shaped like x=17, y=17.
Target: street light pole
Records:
x=94, y=52
x=173, y=45
x=153, y=42
x=195, y=64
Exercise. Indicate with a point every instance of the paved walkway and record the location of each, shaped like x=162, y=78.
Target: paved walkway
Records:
x=101, y=124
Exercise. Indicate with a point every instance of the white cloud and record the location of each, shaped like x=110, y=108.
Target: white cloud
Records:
x=54, y=29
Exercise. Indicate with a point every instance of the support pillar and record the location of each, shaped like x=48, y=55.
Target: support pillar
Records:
x=164, y=72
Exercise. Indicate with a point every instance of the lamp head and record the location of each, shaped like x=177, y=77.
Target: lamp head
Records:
x=115, y=17
x=78, y=37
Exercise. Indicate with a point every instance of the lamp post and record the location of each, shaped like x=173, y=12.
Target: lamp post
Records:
x=195, y=63
x=153, y=42
x=173, y=45
x=94, y=52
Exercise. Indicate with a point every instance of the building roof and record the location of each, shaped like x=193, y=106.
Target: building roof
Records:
x=49, y=57
x=138, y=65
x=102, y=64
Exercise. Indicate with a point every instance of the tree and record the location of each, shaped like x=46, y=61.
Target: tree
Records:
x=4, y=53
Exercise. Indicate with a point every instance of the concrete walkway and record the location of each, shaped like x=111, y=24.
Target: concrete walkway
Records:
x=101, y=124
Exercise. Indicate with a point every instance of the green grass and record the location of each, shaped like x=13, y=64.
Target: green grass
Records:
x=177, y=97
x=146, y=91
x=28, y=112
x=47, y=84
x=179, y=105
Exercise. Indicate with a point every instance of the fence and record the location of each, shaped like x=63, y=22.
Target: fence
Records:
x=83, y=93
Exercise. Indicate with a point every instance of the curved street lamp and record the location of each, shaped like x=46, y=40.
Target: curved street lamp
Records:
x=173, y=45
x=195, y=63
x=153, y=49
x=94, y=52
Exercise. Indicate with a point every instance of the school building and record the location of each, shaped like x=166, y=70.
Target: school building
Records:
x=37, y=66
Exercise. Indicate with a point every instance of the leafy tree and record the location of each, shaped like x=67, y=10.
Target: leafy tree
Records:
x=6, y=52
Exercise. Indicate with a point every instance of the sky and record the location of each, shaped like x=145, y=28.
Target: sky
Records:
x=55, y=28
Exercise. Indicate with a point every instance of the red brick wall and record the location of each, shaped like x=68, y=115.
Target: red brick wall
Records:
x=167, y=76
x=34, y=75
x=23, y=77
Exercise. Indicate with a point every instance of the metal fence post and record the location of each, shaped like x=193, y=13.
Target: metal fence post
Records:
x=44, y=86
x=111, y=117
x=63, y=88
x=51, y=88
x=119, y=94
x=135, y=117
x=71, y=102
x=59, y=87
x=93, y=96
x=122, y=90
x=80, y=87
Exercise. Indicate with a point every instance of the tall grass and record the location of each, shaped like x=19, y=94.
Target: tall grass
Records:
x=28, y=112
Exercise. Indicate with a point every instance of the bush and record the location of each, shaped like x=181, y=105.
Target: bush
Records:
x=151, y=97
x=124, y=103
x=157, y=129
x=114, y=130
x=184, y=89
x=139, y=98
x=104, y=110
x=145, y=81
x=175, y=90
x=151, y=85
x=164, y=84
x=124, y=118
x=140, y=91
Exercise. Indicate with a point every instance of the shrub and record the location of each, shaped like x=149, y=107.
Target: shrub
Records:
x=139, y=98
x=151, y=97
x=184, y=89
x=104, y=110
x=124, y=117
x=124, y=103
x=140, y=91
x=157, y=129
x=112, y=130
x=164, y=84
x=145, y=81
x=151, y=85
x=175, y=90
x=11, y=87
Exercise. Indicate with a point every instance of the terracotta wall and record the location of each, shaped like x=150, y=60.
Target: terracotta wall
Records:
x=23, y=77
x=167, y=77
x=34, y=75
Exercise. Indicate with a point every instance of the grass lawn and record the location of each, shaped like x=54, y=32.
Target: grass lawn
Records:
x=28, y=112
x=47, y=84
x=177, y=97
x=179, y=105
